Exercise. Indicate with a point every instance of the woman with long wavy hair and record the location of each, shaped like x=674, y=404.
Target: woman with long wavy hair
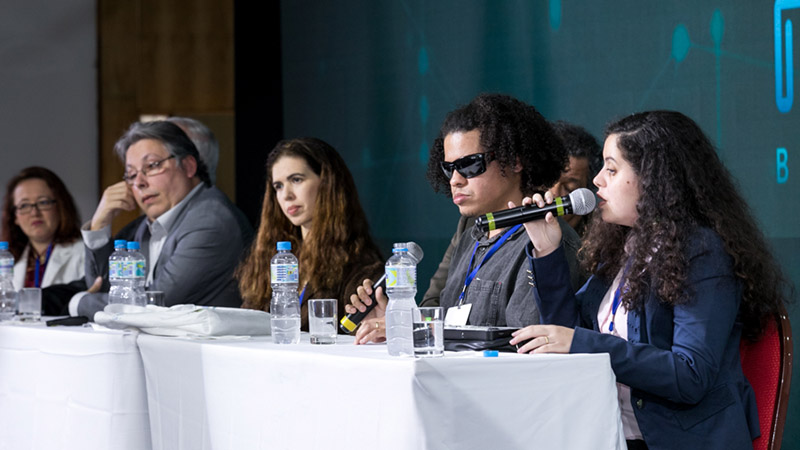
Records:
x=311, y=201
x=680, y=274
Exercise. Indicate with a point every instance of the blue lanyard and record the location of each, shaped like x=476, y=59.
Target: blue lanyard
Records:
x=303, y=293
x=615, y=304
x=36, y=282
x=495, y=247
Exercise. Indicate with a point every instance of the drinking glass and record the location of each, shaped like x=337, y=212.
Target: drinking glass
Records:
x=322, y=320
x=154, y=298
x=29, y=304
x=428, y=323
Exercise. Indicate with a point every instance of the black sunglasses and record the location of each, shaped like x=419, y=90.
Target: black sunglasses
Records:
x=468, y=166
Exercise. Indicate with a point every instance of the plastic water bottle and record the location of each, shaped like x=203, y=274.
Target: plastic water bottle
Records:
x=136, y=274
x=8, y=295
x=115, y=269
x=401, y=287
x=285, y=305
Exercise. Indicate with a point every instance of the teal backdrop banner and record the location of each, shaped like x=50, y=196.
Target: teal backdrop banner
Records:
x=375, y=78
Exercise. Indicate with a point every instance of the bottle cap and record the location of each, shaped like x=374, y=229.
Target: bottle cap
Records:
x=4, y=245
x=120, y=243
x=399, y=247
x=284, y=245
x=490, y=353
x=133, y=245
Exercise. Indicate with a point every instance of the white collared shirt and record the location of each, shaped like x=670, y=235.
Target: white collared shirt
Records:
x=159, y=229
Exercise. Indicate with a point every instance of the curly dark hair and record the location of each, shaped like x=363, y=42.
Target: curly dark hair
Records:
x=579, y=143
x=339, y=235
x=69, y=224
x=514, y=131
x=683, y=185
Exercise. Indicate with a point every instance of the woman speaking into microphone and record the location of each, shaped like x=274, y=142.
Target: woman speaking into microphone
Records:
x=680, y=273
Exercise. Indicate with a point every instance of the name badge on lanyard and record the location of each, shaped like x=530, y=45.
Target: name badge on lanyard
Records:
x=36, y=281
x=457, y=315
x=460, y=312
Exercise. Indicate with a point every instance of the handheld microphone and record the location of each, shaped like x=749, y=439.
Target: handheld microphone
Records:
x=580, y=202
x=349, y=322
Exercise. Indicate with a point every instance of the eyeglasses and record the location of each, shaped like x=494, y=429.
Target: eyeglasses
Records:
x=153, y=168
x=42, y=205
x=468, y=166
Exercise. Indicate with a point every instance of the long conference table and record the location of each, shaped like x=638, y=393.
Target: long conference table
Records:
x=71, y=387
x=87, y=389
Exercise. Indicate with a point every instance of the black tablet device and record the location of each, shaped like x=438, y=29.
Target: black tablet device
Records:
x=477, y=333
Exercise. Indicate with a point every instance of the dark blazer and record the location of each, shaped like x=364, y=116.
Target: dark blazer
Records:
x=682, y=362
x=196, y=264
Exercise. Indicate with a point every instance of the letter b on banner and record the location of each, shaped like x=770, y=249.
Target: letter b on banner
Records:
x=781, y=166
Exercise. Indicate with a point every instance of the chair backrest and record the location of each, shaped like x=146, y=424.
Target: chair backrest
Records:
x=767, y=364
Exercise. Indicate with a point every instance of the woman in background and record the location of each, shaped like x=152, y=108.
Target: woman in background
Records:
x=42, y=228
x=311, y=201
x=680, y=272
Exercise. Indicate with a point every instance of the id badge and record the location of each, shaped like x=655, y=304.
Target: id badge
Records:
x=457, y=315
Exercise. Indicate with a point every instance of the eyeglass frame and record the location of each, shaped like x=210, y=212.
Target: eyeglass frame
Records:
x=41, y=205
x=481, y=160
x=148, y=170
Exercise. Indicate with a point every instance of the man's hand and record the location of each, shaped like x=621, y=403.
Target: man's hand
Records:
x=95, y=287
x=117, y=197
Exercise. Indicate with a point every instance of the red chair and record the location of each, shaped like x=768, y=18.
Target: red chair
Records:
x=767, y=364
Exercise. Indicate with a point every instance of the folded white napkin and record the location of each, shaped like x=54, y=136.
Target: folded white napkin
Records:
x=186, y=320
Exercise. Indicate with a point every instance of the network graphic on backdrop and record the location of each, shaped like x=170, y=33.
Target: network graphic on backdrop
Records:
x=682, y=43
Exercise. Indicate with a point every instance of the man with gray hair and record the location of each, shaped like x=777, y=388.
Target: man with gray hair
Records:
x=190, y=233
x=202, y=138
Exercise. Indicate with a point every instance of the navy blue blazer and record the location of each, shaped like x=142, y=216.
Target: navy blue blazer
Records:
x=681, y=362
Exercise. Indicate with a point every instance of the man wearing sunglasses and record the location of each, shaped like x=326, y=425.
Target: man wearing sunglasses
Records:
x=493, y=151
x=190, y=233
x=585, y=160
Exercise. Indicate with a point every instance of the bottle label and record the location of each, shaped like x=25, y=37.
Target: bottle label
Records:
x=126, y=269
x=139, y=269
x=115, y=269
x=284, y=273
x=6, y=266
x=401, y=276
x=132, y=269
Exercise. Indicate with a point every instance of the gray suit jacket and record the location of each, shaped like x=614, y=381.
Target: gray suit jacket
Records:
x=196, y=264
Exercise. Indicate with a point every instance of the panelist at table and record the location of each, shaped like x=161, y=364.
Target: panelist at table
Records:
x=42, y=228
x=191, y=234
x=311, y=201
x=680, y=272
x=585, y=160
x=494, y=150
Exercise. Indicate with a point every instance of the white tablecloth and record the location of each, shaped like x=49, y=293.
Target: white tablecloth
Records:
x=71, y=387
x=255, y=394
